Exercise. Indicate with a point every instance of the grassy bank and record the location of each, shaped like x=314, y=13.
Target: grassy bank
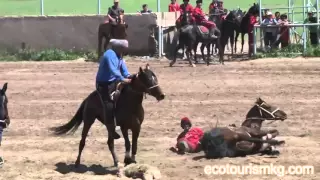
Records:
x=46, y=55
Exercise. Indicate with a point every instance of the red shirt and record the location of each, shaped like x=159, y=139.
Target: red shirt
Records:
x=198, y=14
x=193, y=137
x=174, y=7
x=285, y=33
x=184, y=8
x=253, y=20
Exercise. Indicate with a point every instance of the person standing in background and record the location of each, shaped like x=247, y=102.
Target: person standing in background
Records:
x=174, y=6
x=313, y=30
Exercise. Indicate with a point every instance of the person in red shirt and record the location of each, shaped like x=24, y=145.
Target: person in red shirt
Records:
x=252, y=22
x=284, y=31
x=174, y=6
x=189, y=139
x=201, y=20
x=185, y=7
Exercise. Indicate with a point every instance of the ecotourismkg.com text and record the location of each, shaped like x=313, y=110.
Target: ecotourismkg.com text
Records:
x=258, y=169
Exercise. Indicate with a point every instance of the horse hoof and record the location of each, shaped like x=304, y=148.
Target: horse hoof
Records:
x=275, y=153
x=193, y=65
x=127, y=161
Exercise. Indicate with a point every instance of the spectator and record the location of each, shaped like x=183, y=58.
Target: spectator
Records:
x=114, y=12
x=284, y=31
x=253, y=21
x=145, y=9
x=277, y=15
x=313, y=30
x=270, y=32
x=174, y=6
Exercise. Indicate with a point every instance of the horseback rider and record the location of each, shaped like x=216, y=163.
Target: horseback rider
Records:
x=201, y=20
x=112, y=71
x=184, y=8
x=216, y=4
x=114, y=12
x=174, y=6
x=189, y=139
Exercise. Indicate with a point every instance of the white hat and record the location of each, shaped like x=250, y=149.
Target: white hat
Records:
x=269, y=13
x=119, y=42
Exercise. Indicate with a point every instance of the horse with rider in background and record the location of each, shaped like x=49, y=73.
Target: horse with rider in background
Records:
x=113, y=28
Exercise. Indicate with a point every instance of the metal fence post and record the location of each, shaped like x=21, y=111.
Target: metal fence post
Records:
x=99, y=7
x=159, y=30
x=41, y=7
x=254, y=40
x=304, y=40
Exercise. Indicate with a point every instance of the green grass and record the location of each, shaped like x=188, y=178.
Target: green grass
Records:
x=80, y=7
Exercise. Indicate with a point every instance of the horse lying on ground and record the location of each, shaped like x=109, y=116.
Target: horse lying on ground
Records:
x=129, y=113
x=245, y=140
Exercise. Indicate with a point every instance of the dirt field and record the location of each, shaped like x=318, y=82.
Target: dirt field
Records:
x=42, y=95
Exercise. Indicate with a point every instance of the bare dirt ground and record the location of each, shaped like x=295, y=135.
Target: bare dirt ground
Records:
x=42, y=95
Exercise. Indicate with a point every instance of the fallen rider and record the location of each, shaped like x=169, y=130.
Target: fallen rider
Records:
x=189, y=139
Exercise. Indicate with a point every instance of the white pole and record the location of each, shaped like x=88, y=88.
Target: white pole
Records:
x=99, y=7
x=41, y=7
x=159, y=31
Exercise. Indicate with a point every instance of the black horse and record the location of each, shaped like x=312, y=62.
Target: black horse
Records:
x=129, y=113
x=216, y=17
x=4, y=114
x=190, y=35
x=228, y=28
x=245, y=23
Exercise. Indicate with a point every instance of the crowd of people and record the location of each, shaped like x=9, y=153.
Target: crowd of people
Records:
x=274, y=36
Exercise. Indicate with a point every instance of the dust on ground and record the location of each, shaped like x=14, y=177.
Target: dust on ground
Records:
x=43, y=95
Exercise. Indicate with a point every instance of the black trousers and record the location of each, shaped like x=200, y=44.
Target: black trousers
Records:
x=314, y=38
x=105, y=89
x=269, y=39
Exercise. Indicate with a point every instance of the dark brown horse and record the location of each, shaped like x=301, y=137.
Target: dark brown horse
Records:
x=129, y=113
x=245, y=140
x=109, y=31
x=4, y=114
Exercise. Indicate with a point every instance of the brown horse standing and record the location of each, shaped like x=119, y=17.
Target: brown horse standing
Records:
x=128, y=112
x=247, y=139
x=109, y=31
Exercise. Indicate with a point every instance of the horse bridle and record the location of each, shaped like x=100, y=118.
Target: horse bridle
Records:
x=147, y=88
x=266, y=111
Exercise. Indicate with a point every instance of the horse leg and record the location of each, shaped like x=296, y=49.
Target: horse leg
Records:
x=235, y=41
x=242, y=42
x=99, y=46
x=202, y=53
x=222, y=46
x=111, y=131
x=135, y=136
x=127, y=158
x=232, y=43
x=87, y=123
x=189, y=49
x=195, y=52
x=208, y=53
x=180, y=45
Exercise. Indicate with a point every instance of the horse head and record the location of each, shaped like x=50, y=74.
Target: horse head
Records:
x=145, y=81
x=254, y=9
x=4, y=115
x=186, y=19
x=262, y=111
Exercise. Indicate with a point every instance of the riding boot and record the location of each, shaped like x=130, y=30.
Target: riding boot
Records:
x=110, y=116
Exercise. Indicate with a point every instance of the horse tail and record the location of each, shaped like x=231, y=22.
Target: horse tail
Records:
x=73, y=124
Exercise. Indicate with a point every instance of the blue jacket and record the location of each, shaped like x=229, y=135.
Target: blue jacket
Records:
x=111, y=68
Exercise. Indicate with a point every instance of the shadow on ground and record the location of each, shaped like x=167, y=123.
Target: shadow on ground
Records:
x=64, y=168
